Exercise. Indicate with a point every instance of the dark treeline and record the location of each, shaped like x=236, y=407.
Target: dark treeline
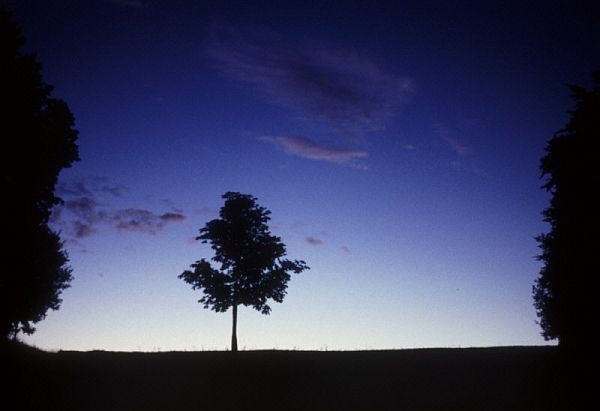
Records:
x=38, y=141
x=564, y=293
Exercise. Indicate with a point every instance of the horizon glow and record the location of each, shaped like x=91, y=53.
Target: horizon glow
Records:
x=397, y=150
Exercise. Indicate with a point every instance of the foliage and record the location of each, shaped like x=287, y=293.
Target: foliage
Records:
x=39, y=140
x=251, y=268
x=564, y=288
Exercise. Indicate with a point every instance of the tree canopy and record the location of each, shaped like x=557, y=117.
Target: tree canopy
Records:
x=251, y=268
x=564, y=291
x=39, y=140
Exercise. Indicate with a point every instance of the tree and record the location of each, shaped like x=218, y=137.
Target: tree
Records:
x=252, y=268
x=39, y=140
x=564, y=289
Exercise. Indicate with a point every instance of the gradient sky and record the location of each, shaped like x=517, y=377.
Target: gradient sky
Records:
x=396, y=143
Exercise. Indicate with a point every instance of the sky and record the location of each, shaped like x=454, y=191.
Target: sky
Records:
x=396, y=144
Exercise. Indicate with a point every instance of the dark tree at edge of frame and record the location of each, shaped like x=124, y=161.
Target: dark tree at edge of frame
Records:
x=39, y=140
x=564, y=292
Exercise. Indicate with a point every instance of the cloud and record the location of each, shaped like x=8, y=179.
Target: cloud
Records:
x=82, y=229
x=344, y=89
x=86, y=215
x=85, y=209
x=88, y=186
x=82, y=212
x=346, y=249
x=314, y=241
x=172, y=218
x=144, y=221
x=458, y=146
x=306, y=148
x=77, y=217
x=464, y=158
x=169, y=204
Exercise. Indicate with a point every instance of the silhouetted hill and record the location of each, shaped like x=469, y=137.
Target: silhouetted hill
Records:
x=15, y=349
x=508, y=378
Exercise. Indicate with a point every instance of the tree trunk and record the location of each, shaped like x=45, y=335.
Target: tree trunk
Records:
x=234, y=347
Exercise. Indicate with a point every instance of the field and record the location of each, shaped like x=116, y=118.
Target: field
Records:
x=507, y=378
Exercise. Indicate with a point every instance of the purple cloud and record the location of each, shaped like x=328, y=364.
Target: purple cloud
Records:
x=85, y=215
x=82, y=229
x=314, y=241
x=344, y=89
x=77, y=218
x=345, y=249
x=456, y=145
x=81, y=205
x=144, y=221
x=84, y=208
x=82, y=211
x=306, y=148
x=169, y=204
x=90, y=186
x=172, y=217
x=72, y=188
x=136, y=219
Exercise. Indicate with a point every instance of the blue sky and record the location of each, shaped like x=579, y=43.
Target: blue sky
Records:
x=396, y=143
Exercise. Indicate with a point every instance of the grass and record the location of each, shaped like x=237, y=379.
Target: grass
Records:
x=506, y=378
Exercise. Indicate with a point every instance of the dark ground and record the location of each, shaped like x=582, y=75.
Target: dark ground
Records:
x=510, y=378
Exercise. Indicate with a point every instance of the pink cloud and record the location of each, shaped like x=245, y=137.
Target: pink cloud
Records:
x=306, y=148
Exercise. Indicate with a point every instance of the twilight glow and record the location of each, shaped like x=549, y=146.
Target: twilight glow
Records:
x=396, y=144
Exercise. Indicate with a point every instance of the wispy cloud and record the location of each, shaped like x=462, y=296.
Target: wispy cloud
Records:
x=464, y=155
x=86, y=186
x=314, y=240
x=457, y=145
x=345, y=89
x=306, y=148
x=82, y=212
x=143, y=221
x=82, y=229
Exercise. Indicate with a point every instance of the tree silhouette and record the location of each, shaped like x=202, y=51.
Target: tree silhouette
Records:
x=38, y=142
x=564, y=289
x=252, y=268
